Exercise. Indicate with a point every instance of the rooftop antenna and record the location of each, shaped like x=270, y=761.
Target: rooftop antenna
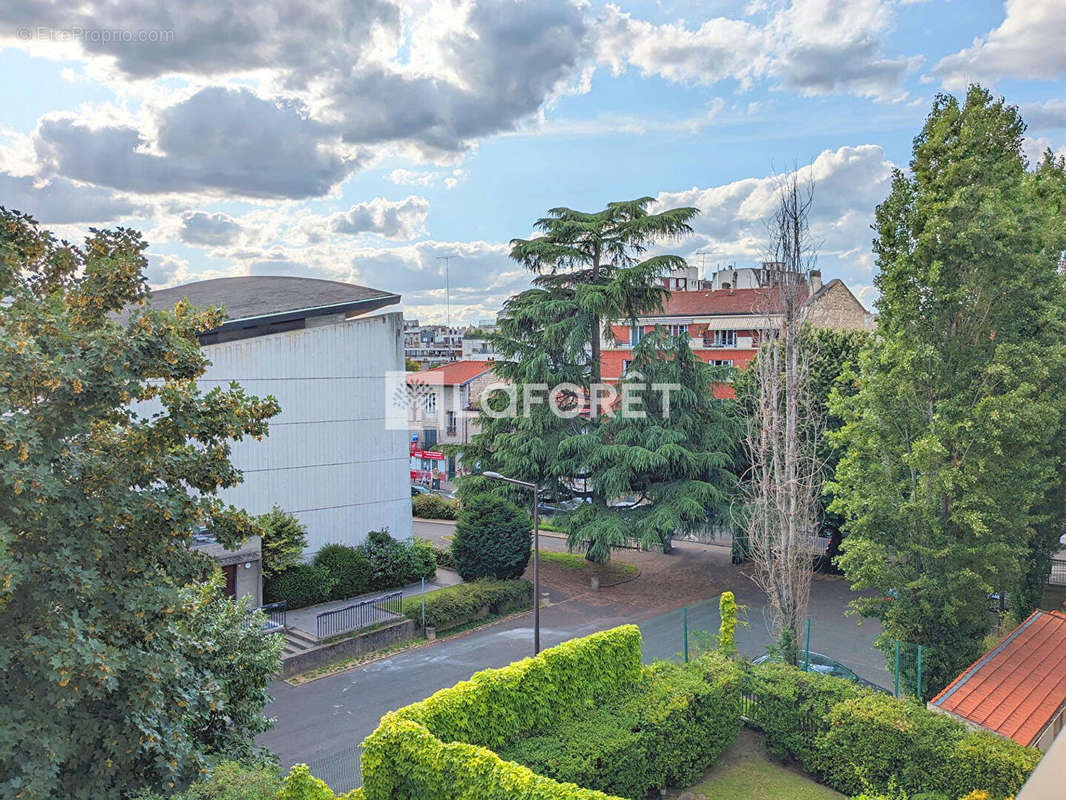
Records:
x=703, y=261
x=448, y=298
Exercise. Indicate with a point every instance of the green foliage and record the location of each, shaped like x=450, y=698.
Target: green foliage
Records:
x=444, y=557
x=404, y=761
x=106, y=688
x=496, y=706
x=793, y=706
x=433, y=506
x=283, y=543
x=877, y=742
x=435, y=750
x=456, y=605
x=348, y=567
x=983, y=760
x=952, y=482
x=592, y=272
x=493, y=539
x=394, y=563
x=665, y=731
x=230, y=780
x=727, y=612
x=411, y=365
x=299, y=586
x=672, y=455
x=300, y=784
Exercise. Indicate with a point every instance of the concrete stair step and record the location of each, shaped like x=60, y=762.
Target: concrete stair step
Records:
x=296, y=641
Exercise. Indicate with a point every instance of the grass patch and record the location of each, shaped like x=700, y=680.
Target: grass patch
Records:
x=611, y=574
x=745, y=772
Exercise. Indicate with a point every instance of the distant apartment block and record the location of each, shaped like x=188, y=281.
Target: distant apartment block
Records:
x=431, y=344
x=726, y=315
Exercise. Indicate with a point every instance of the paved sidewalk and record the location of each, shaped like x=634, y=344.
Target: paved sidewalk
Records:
x=303, y=619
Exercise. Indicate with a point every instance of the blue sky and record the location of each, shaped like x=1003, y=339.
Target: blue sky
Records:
x=365, y=139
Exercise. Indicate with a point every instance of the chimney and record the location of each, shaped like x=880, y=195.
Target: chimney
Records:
x=814, y=280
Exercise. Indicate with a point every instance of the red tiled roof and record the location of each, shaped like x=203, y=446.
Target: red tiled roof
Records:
x=1018, y=688
x=454, y=374
x=726, y=301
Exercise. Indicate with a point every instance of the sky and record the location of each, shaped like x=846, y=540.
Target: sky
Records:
x=369, y=140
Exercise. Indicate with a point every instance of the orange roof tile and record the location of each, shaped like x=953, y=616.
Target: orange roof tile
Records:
x=726, y=301
x=1018, y=688
x=455, y=373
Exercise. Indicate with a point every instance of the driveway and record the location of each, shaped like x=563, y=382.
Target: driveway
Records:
x=322, y=723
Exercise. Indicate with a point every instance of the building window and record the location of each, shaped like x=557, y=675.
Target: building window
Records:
x=625, y=365
x=429, y=405
x=721, y=338
x=450, y=423
x=677, y=331
x=722, y=362
x=636, y=333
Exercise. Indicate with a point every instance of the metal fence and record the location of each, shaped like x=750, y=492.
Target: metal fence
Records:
x=340, y=771
x=359, y=615
x=1058, y=572
x=276, y=614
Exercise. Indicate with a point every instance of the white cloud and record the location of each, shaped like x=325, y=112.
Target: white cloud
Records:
x=58, y=201
x=815, y=46
x=205, y=228
x=1049, y=115
x=1029, y=43
x=400, y=219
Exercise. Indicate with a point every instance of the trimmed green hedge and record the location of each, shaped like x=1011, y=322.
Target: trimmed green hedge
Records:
x=349, y=567
x=857, y=740
x=300, y=585
x=666, y=731
x=792, y=707
x=493, y=539
x=404, y=761
x=433, y=506
x=455, y=605
x=496, y=706
x=875, y=743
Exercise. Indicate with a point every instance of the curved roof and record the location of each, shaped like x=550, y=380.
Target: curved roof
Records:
x=273, y=296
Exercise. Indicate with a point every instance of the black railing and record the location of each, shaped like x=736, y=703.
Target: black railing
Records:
x=1058, y=572
x=275, y=615
x=359, y=615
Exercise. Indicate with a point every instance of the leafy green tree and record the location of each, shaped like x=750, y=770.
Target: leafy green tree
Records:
x=492, y=539
x=592, y=270
x=283, y=543
x=953, y=472
x=668, y=452
x=110, y=457
x=411, y=366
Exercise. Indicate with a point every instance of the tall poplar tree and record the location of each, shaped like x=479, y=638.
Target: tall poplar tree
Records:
x=952, y=483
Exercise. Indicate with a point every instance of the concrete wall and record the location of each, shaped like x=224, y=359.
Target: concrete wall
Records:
x=328, y=459
x=836, y=307
x=348, y=648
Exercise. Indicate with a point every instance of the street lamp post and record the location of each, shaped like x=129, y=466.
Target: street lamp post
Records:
x=536, y=550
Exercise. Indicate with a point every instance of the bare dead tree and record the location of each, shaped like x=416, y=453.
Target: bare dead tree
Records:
x=784, y=478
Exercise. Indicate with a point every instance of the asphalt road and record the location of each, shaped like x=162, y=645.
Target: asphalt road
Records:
x=322, y=723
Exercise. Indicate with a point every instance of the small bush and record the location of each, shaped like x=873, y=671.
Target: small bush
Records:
x=455, y=605
x=300, y=585
x=493, y=539
x=349, y=567
x=444, y=557
x=433, y=506
x=394, y=563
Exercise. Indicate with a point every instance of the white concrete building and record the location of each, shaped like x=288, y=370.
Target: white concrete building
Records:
x=329, y=459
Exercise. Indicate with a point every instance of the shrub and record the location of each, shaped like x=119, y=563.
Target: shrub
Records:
x=492, y=539
x=283, y=542
x=349, y=568
x=983, y=761
x=394, y=563
x=433, y=506
x=444, y=557
x=666, y=731
x=877, y=741
x=496, y=706
x=455, y=605
x=423, y=559
x=300, y=585
x=792, y=707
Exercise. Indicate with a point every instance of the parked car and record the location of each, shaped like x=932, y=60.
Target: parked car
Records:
x=824, y=665
x=416, y=490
